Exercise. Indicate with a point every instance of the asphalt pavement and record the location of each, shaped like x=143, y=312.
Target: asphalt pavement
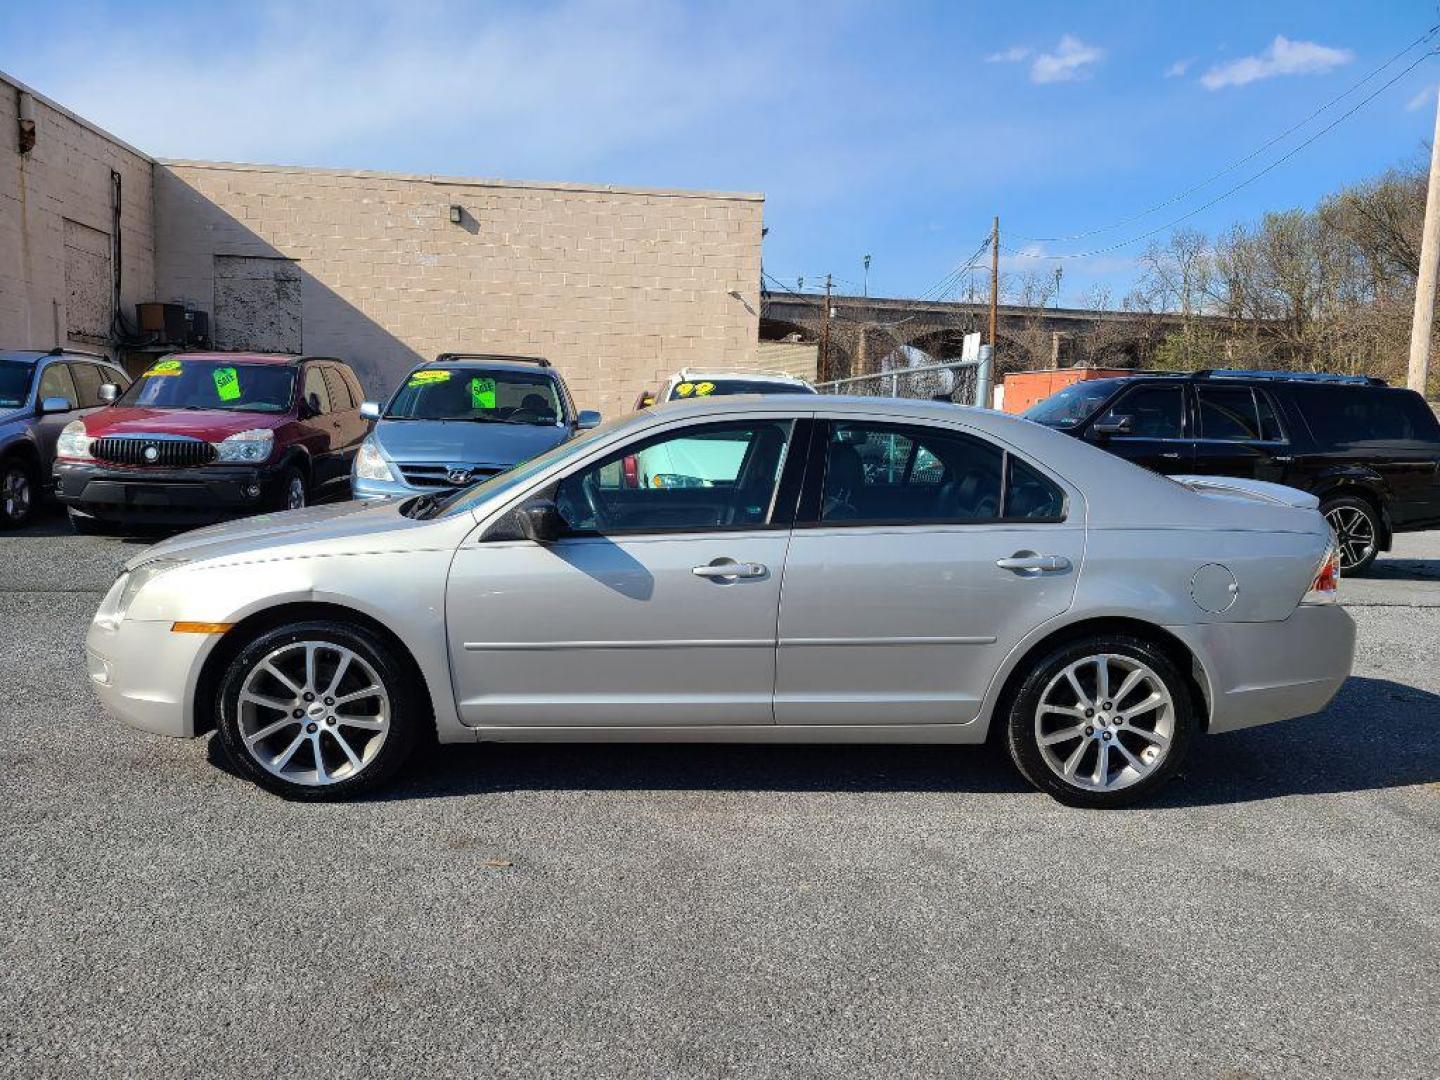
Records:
x=693, y=911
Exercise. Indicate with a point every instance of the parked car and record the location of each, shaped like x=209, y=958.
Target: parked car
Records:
x=1096, y=616
x=40, y=392
x=203, y=436
x=690, y=383
x=461, y=419
x=1369, y=452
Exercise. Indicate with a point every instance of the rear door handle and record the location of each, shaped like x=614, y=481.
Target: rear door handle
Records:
x=723, y=569
x=1026, y=563
x=1171, y=454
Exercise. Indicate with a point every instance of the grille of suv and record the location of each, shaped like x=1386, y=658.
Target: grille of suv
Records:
x=167, y=453
x=433, y=474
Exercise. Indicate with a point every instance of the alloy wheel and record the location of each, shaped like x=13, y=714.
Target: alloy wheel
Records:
x=313, y=713
x=1354, y=533
x=15, y=494
x=1105, y=722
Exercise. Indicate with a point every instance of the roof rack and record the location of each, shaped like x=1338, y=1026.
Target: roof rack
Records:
x=62, y=350
x=446, y=357
x=1290, y=376
x=685, y=373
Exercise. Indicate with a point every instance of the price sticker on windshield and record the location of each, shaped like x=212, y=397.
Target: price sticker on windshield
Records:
x=482, y=393
x=425, y=378
x=704, y=389
x=227, y=383
x=161, y=368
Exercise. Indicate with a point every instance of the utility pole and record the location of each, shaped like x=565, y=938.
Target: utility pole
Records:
x=867, y=275
x=1425, y=283
x=994, y=278
x=825, y=336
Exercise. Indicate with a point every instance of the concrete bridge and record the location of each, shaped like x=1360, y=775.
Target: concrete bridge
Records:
x=865, y=330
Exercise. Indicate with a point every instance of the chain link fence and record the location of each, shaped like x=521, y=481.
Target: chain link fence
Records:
x=959, y=381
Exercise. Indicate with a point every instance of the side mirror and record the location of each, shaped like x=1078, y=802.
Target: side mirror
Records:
x=588, y=418
x=55, y=405
x=1104, y=429
x=370, y=410
x=108, y=392
x=540, y=521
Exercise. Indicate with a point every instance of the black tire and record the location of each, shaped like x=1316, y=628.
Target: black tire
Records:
x=85, y=525
x=1022, y=737
x=293, y=479
x=19, y=493
x=1357, y=526
x=406, y=715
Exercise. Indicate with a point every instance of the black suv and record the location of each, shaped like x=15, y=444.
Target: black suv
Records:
x=1368, y=451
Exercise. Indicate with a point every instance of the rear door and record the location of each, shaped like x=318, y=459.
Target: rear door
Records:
x=918, y=561
x=1240, y=434
x=350, y=430
x=1156, y=427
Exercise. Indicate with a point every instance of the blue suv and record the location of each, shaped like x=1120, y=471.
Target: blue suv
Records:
x=462, y=419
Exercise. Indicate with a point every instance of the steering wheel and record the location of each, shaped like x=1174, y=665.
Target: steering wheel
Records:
x=594, y=501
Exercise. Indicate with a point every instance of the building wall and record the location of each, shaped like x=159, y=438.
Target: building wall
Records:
x=56, y=225
x=616, y=287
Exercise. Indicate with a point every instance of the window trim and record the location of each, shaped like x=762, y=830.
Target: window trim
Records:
x=780, y=517
x=808, y=514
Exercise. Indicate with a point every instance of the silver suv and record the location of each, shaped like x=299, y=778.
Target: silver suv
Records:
x=41, y=392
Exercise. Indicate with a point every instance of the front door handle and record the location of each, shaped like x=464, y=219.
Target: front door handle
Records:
x=1171, y=454
x=727, y=569
x=1027, y=562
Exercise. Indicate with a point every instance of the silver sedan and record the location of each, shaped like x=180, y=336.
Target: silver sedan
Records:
x=785, y=569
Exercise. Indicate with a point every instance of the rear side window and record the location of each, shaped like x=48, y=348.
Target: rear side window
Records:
x=1341, y=415
x=1237, y=414
x=88, y=379
x=1153, y=412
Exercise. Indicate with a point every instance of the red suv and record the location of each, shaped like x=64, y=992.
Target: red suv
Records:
x=202, y=436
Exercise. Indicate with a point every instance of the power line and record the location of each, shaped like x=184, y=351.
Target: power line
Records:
x=950, y=280
x=1232, y=166
x=1238, y=187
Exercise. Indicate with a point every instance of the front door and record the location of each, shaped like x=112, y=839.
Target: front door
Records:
x=658, y=606
x=1150, y=428
x=927, y=557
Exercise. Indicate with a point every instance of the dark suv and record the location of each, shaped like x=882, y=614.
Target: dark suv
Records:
x=1370, y=452
x=202, y=436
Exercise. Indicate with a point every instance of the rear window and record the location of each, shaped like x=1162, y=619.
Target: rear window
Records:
x=1342, y=416
x=702, y=387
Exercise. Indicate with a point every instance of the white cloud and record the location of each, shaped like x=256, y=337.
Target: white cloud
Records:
x=1071, y=60
x=1282, y=57
x=1178, y=68
x=1424, y=99
x=1012, y=55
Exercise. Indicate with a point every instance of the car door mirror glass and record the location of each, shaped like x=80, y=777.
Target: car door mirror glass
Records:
x=55, y=405
x=370, y=410
x=108, y=393
x=588, y=418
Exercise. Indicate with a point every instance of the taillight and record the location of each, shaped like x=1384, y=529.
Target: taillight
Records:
x=1324, y=589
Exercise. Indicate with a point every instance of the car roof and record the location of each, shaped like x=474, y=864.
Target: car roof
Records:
x=34, y=356
x=535, y=365
x=692, y=374
x=280, y=359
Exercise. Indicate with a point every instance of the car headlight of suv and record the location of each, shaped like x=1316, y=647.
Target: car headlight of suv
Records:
x=251, y=446
x=73, y=442
x=128, y=586
x=370, y=464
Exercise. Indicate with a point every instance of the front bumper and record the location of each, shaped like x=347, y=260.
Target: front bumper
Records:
x=167, y=496
x=145, y=675
x=1259, y=673
x=391, y=489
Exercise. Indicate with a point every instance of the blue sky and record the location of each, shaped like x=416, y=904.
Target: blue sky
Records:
x=891, y=129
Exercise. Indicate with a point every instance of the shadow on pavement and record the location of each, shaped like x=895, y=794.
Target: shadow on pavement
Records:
x=1376, y=734
x=1386, y=568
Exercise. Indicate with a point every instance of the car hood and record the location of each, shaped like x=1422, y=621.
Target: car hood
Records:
x=211, y=425
x=463, y=442
x=334, y=529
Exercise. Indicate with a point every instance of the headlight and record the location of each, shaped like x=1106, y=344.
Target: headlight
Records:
x=249, y=446
x=73, y=442
x=370, y=464
x=127, y=587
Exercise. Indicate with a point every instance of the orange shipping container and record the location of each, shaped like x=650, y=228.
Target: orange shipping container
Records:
x=1025, y=388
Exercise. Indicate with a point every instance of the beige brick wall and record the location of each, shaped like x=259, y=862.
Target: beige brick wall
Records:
x=617, y=287
x=66, y=176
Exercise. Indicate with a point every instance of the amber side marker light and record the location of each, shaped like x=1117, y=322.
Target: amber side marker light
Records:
x=200, y=627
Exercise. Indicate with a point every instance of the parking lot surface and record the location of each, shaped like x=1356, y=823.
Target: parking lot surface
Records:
x=693, y=911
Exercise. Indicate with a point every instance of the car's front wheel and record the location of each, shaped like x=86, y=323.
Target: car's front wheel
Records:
x=1101, y=722
x=1357, y=531
x=18, y=493
x=318, y=710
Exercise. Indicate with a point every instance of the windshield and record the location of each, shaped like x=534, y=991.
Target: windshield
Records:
x=1072, y=405
x=176, y=383
x=15, y=376
x=702, y=387
x=471, y=497
x=481, y=394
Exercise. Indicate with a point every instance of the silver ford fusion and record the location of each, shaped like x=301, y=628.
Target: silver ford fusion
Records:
x=780, y=569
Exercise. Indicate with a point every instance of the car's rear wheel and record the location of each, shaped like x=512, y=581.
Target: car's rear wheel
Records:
x=318, y=710
x=1357, y=531
x=18, y=493
x=1101, y=722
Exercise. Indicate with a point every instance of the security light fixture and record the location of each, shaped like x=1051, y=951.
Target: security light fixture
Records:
x=457, y=214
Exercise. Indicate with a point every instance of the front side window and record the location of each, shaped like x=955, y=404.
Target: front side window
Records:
x=55, y=382
x=177, y=383
x=710, y=476
x=479, y=394
x=1152, y=412
x=317, y=396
